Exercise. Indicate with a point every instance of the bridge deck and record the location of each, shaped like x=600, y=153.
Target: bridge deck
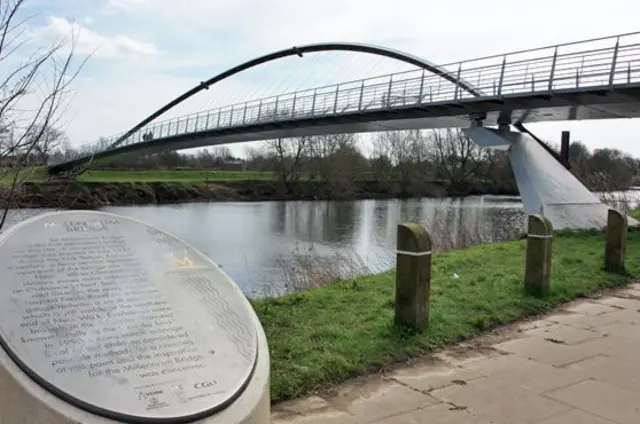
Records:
x=595, y=79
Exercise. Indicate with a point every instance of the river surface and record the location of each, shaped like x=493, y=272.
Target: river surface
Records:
x=270, y=248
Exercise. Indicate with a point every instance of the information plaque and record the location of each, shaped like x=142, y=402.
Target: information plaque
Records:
x=121, y=319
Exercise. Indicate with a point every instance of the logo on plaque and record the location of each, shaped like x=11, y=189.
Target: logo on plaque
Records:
x=182, y=263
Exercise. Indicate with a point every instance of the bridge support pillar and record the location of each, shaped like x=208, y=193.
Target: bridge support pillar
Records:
x=564, y=148
x=545, y=185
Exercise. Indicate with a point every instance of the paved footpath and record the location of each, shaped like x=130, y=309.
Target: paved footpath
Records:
x=580, y=365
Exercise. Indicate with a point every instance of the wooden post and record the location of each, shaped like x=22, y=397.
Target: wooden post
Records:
x=616, y=244
x=538, y=263
x=413, y=276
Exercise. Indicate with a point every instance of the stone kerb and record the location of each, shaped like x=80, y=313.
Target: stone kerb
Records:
x=413, y=276
x=538, y=257
x=616, y=241
x=105, y=319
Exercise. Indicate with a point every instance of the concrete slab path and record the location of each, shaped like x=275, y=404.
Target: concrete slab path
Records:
x=579, y=365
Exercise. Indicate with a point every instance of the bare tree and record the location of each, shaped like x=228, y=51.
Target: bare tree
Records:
x=396, y=154
x=257, y=159
x=286, y=156
x=611, y=169
x=221, y=153
x=322, y=152
x=32, y=94
x=455, y=156
x=50, y=140
x=419, y=155
x=381, y=165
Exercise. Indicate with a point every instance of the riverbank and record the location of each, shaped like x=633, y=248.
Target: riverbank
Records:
x=93, y=194
x=327, y=335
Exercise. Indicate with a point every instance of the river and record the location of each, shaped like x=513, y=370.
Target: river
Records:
x=269, y=248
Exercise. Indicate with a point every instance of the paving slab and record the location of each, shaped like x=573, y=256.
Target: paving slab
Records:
x=602, y=400
x=433, y=375
x=614, y=346
x=622, y=329
x=630, y=316
x=492, y=400
x=532, y=325
x=310, y=410
x=634, y=286
x=631, y=292
x=584, y=321
x=576, y=416
x=615, y=371
x=548, y=352
x=516, y=371
x=620, y=302
x=590, y=308
x=565, y=334
x=327, y=417
x=442, y=413
x=310, y=404
x=387, y=400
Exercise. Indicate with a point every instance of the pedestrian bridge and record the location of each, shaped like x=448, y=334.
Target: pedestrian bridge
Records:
x=591, y=79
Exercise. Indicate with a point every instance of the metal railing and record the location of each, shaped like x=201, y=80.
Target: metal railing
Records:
x=605, y=62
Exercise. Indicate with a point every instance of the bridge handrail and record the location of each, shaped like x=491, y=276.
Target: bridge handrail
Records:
x=578, y=55
x=615, y=62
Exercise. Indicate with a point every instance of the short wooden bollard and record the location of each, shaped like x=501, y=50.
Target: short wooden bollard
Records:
x=413, y=276
x=616, y=244
x=538, y=263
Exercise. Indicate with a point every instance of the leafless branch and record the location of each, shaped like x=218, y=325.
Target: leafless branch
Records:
x=29, y=133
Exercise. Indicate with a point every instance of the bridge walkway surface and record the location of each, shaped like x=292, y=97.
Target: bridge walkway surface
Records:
x=575, y=366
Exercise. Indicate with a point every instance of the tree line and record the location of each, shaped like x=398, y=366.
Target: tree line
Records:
x=404, y=157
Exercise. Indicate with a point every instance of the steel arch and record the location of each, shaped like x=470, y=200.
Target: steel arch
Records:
x=299, y=51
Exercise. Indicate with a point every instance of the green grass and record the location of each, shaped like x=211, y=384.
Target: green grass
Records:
x=172, y=176
x=327, y=335
x=33, y=174
x=182, y=176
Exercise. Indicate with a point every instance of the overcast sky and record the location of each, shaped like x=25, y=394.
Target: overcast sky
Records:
x=149, y=51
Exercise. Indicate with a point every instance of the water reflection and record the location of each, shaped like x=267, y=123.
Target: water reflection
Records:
x=250, y=240
x=330, y=223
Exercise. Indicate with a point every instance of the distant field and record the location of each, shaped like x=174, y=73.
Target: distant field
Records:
x=39, y=174
x=172, y=176
x=26, y=174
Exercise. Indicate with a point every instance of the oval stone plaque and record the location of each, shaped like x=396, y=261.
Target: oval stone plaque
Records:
x=122, y=319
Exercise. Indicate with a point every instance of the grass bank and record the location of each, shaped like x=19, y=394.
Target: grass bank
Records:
x=39, y=174
x=182, y=176
x=93, y=194
x=327, y=335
